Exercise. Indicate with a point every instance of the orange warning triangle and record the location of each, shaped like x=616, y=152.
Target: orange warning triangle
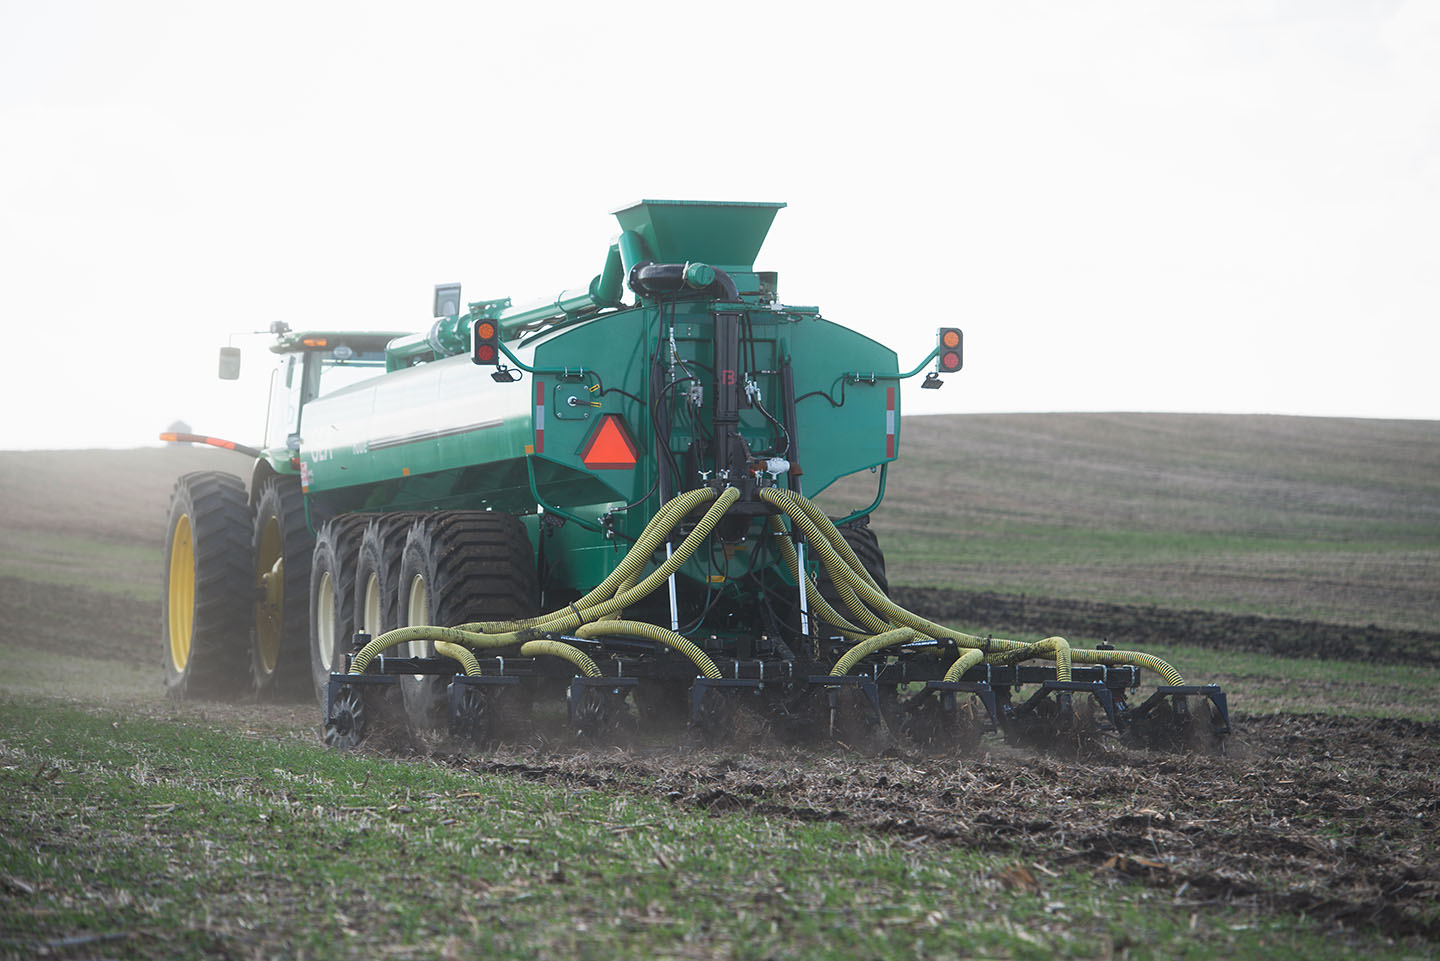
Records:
x=610, y=446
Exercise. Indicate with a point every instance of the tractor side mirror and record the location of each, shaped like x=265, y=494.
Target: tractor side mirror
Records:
x=229, y=363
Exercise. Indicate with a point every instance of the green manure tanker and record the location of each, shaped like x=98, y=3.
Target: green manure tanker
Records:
x=601, y=501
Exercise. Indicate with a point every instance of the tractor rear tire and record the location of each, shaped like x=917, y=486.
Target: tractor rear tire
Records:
x=459, y=567
x=282, y=546
x=207, y=578
x=332, y=597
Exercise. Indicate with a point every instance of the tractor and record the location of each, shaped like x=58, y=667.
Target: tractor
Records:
x=601, y=502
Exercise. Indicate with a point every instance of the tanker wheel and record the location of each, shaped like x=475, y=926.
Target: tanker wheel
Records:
x=377, y=567
x=458, y=567
x=332, y=597
x=282, y=545
x=207, y=586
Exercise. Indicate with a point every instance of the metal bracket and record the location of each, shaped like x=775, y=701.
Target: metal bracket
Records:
x=1210, y=691
x=1097, y=689
x=579, y=685
x=832, y=684
x=703, y=685
x=948, y=690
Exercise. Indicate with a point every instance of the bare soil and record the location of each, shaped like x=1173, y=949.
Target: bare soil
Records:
x=1331, y=817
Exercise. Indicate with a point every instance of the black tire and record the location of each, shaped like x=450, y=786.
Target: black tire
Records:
x=332, y=597
x=281, y=545
x=866, y=545
x=206, y=611
x=458, y=567
x=377, y=568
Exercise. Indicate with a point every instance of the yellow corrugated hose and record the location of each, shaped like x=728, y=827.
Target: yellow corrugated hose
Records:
x=881, y=622
x=652, y=632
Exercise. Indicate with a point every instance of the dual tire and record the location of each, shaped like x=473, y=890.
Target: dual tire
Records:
x=233, y=621
x=459, y=567
x=282, y=547
x=252, y=595
x=372, y=574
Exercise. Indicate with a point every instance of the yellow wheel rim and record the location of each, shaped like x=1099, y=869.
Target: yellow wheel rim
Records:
x=181, y=596
x=270, y=579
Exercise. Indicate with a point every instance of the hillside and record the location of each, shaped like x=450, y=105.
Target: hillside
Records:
x=1091, y=524
x=1321, y=519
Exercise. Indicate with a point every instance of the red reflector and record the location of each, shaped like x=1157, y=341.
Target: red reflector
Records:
x=610, y=446
x=485, y=353
x=950, y=361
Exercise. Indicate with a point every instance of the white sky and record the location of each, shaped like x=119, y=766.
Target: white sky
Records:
x=1209, y=206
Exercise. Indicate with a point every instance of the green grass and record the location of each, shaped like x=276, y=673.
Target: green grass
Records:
x=1260, y=684
x=186, y=840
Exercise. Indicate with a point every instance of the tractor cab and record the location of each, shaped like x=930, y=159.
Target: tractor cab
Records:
x=316, y=363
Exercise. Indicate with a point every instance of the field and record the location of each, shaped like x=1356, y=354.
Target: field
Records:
x=1293, y=560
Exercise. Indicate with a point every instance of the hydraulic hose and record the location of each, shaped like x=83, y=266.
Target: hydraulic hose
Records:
x=562, y=650
x=652, y=632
